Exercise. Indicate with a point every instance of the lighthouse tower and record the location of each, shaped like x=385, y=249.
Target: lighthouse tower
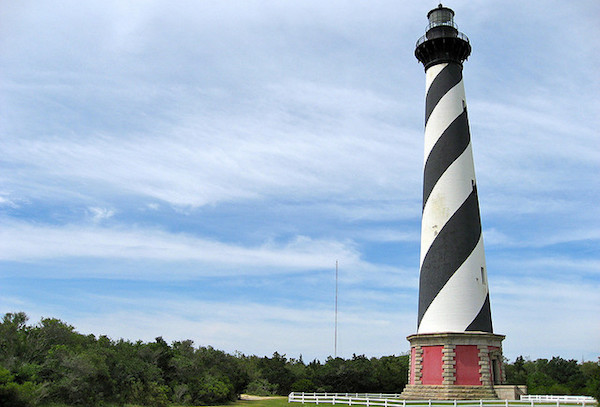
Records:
x=454, y=354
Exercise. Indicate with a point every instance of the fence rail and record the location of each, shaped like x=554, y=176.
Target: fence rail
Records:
x=550, y=397
x=394, y=400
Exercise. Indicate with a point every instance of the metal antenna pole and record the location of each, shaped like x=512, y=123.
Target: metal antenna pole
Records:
x=336, y=309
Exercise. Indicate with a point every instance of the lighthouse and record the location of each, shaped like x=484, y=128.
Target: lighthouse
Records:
x=455, y=353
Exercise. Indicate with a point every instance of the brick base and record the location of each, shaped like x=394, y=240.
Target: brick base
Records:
x=474, y=358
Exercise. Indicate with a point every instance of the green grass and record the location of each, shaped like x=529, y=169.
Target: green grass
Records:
x=280, y=401
x=283, y=402
x=267, y=402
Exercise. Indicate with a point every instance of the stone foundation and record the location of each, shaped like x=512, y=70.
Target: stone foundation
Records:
x=510, y=391
x=448, y=392
x=454, y=365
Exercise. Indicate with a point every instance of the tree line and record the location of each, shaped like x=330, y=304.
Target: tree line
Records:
x=50, y=362
x=556, y=376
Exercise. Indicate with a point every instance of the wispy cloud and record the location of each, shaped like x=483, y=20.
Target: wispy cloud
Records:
x=498, y=238
x=100, y=214
x=23, y=242
x=258, y=329
x=215, y=146
x=6, y=201
x=206, y=159
x=527, y=309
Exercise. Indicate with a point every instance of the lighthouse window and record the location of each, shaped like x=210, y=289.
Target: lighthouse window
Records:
x=441, y=16
x=482, y=276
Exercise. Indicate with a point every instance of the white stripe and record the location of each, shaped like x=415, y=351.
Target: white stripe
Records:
x=431, y=73
x=445, y=112
x=448, y=194
x=457, y=304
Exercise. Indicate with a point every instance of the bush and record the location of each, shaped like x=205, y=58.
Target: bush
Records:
x=303, y=385
x=211, y=390
x=13, y=394
x=261, y=387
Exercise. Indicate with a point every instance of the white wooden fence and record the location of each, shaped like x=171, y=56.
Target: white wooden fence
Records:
x=549, y=397
x=393, y=400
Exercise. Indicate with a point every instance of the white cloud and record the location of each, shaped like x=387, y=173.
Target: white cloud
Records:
x=100, y=214
x=205, y=107
x=270, y=150
x=543, y=317
x=254, y=328
x=24, y=242
x=389, y=235
x=539, y=239
x=573, y=266
x=9, y=201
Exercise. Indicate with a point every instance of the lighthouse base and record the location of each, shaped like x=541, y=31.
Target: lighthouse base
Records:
x=424, y=392
x=454, y=365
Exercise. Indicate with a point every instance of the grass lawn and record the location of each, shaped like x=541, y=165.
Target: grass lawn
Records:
x=281, y=401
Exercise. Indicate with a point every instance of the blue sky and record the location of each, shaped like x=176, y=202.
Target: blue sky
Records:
x=194, y=169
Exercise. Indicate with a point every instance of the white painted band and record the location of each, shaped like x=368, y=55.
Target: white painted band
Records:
x=445, y=112
x=448, y=194
x=431, y=73
x=457, y=304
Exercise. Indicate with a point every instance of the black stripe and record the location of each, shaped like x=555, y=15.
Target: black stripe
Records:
x=451, y=144
x=448, y=77
x=451, y=247
x=483, y=320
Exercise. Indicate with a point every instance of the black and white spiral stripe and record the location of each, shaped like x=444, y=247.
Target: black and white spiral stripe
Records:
x=453, y=289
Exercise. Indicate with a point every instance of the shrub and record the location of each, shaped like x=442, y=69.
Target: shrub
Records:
x=261, y=387
x=303, y=385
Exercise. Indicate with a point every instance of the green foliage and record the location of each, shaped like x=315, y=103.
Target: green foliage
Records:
x=303, y=385
x=13, y=394
x=277, y=370
x=591, y=372
x=392, y=373
x=262, y=387
x=555, y=376
x=210, y=390
x=51, y=364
